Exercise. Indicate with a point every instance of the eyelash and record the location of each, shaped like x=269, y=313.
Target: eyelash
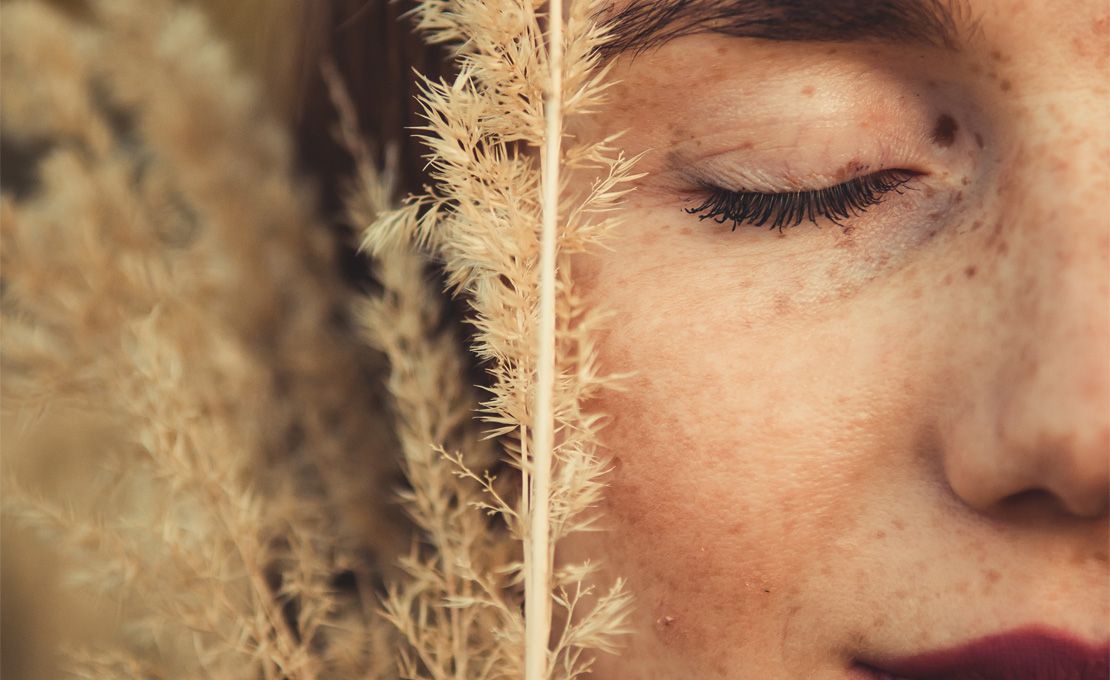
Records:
x=788, y=209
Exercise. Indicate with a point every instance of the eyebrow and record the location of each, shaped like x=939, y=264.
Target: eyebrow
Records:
x=643, y=24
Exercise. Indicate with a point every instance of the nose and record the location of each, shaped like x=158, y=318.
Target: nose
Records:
x=1035, y=409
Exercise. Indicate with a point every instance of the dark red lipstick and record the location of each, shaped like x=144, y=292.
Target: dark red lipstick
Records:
x=1027, y=654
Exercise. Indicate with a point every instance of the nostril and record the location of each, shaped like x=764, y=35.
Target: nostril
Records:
x=1033, y=503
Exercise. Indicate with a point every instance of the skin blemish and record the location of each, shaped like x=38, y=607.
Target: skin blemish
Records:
x=748, y=145
x=1006, y=85
x=979, y=140
x=782, y=304
x=970, y=271
x=808, y=90
x=853, y=168
x=944, y=131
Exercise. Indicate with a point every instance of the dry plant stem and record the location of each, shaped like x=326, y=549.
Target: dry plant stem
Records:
x=537, y=615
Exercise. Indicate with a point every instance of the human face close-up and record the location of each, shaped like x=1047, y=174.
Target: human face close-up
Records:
x=876, y=438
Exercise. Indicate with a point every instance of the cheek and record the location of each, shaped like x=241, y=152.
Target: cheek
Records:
x=685, y=521
x=750, y=450
x=724, y=493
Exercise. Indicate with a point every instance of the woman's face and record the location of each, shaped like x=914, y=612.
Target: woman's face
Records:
x=872, y=440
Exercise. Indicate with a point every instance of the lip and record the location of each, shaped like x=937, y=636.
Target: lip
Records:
x=1026, y=654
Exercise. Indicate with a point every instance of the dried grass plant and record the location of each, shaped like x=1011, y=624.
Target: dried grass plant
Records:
x=187, y=407
x=503, y=225
x=175, y=343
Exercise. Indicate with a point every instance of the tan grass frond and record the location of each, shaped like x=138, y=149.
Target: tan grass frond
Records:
x=482, y=220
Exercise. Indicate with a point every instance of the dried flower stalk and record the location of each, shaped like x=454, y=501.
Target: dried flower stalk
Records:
x=537, y=581
x=484, y=222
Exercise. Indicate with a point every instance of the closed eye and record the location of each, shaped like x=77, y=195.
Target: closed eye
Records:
x=836, y=203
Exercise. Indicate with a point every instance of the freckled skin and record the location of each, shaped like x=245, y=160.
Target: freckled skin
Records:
x=881, y=440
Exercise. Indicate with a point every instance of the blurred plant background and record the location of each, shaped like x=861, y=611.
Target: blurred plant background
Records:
x=188, y=403
x=233, y=446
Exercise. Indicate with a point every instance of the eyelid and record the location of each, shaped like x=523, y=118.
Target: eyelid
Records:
x=726, y=171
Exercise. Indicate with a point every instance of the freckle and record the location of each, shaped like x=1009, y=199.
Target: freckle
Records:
x=721, y=50
x=748, y=145
x=808, y=90
x=964, y=181
x=931, y=84
x=1006, y=85
x=915, y=294
x=996, y=55
x=947, y=280
x=959, y=196
x=969, y=271
x=996, y=233
x=899, y=524
x=1003, y=248
x=993, y=576
x=686, y=231
x=944, y=131
x=880, y=534
x=832, y=50
x=979, y=140
x=976, y=224
x=782, y=303
x=930, y=192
